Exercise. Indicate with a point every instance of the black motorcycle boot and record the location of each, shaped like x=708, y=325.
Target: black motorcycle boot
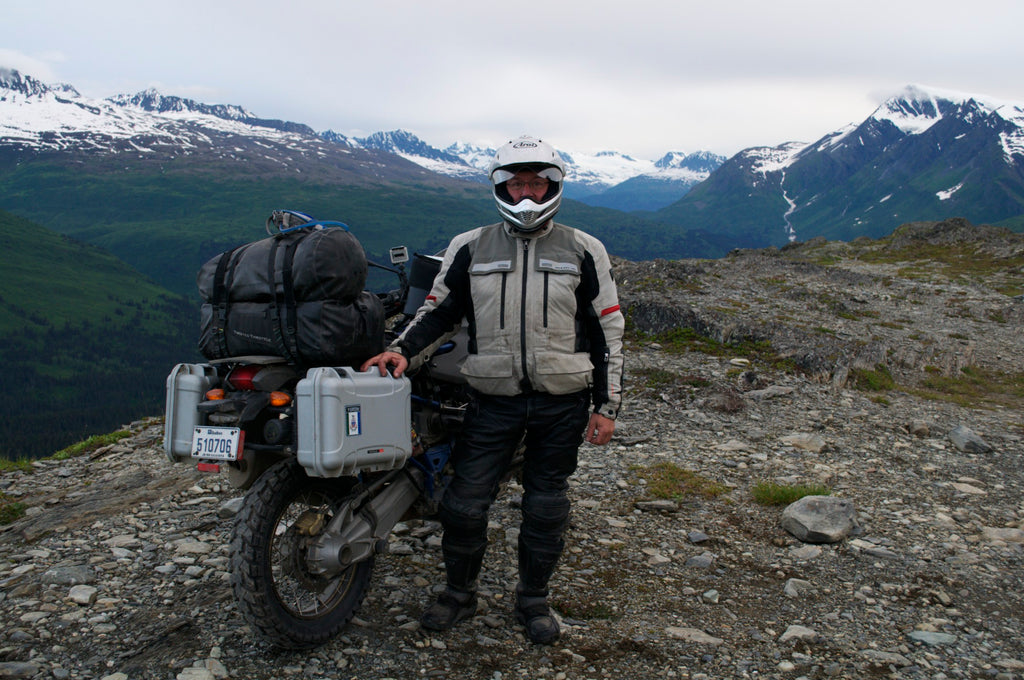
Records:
x=451, y=607
x=533, y=612
x=535, y=570
x=458, y=601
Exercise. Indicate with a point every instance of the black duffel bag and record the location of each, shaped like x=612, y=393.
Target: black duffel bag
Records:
x=298, y=294
x=326, y=332
x=324, y=263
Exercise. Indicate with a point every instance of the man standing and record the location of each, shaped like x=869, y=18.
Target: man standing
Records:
x=545, y=358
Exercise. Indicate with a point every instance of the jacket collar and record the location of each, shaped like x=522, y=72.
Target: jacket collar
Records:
x=540, y=232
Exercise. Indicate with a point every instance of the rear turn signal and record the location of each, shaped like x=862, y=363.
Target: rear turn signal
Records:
x=215, y=394
x=280, y=398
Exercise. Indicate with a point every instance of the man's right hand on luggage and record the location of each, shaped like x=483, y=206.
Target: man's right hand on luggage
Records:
x=385, y=359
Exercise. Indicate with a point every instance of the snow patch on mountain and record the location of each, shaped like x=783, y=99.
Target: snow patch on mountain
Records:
x=948, y=193
x=410, y=147
x=1012, y=141
x=152, y=101
x=765, y=159
x=602, y=169
x=914, y=110
x=837, y=138
x=478, y=157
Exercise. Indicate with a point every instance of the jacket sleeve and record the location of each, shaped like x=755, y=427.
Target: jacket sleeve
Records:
x=446, y=305
x=605, y=326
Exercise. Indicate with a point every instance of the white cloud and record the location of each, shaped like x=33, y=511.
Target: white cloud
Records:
x=642, y=77
x=38, y=66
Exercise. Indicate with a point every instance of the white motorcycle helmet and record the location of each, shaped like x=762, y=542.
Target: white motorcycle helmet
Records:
x=527, y=153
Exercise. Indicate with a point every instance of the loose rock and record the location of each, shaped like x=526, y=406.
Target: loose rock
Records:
x=820, y=519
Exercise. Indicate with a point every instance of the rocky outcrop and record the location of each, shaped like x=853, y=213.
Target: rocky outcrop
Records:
x=830, y=307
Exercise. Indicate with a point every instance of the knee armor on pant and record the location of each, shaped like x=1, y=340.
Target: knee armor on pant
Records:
x=465, y=525
x=545, y=515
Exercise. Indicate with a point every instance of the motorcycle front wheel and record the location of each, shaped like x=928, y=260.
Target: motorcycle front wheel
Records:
x=288, y=605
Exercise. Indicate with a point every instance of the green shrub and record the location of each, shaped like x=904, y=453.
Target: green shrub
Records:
x=669, y=481
x=91, y=444
x=770, y=493
x=23, y=464
x=10, y=509
x=974, y=387
x=878, y=380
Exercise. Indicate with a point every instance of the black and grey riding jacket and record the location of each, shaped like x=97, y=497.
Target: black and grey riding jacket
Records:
x=541, y=310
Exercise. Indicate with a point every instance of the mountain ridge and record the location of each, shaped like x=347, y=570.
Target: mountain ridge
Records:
x=589, y=174
x=919, y=156
x=923, y=154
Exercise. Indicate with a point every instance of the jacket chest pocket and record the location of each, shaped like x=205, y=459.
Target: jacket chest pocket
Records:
x=488, y=285
x=560, y=280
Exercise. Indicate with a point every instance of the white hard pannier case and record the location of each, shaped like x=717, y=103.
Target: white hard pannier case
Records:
x=351, y=421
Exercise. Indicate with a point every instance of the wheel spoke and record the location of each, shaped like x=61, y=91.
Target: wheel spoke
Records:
x=303, y=593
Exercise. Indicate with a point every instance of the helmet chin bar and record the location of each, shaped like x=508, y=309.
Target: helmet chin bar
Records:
x=528, y=215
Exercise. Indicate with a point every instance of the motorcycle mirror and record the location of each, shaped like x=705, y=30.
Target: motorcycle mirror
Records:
x=399, y=254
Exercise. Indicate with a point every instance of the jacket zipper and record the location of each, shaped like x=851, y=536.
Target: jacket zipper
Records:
x=504, y=285
x=522, y=318
x=546, y=280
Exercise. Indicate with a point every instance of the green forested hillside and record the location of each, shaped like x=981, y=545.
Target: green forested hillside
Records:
x=85, y=340
x=167, y=219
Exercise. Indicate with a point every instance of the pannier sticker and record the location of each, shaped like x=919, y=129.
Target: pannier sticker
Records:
x=355, y=420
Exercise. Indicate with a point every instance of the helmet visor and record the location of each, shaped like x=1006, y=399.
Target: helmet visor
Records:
x=504, y=174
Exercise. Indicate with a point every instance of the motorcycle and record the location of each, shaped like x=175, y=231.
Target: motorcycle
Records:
x=331, y=459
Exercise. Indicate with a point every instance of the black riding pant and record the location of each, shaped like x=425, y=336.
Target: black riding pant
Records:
x=552, y=429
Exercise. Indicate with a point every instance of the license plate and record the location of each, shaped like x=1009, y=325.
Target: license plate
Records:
x=217, y=443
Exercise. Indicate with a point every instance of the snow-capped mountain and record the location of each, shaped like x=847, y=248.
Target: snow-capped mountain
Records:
x=663, y=183
x=38, y=118
x=922, y=154
x=154, y=102
x=412, y=148
x=58, y=117
x=41, y=117
x=589, y=177
x=479, y=157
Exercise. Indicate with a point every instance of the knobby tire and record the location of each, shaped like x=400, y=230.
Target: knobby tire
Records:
x=288, y=606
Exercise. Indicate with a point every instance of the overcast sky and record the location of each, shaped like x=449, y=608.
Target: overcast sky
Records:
x=638, y=76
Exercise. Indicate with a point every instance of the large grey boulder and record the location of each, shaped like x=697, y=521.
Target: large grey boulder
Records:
x=966, y=440
x=820, y=519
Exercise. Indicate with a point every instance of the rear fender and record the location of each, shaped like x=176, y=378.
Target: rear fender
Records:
x=243, y=473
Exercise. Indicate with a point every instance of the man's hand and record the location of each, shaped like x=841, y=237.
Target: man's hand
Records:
x=385, y=359
x=600, y=429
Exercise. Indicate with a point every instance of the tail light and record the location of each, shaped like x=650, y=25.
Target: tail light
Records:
x=241, y=377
